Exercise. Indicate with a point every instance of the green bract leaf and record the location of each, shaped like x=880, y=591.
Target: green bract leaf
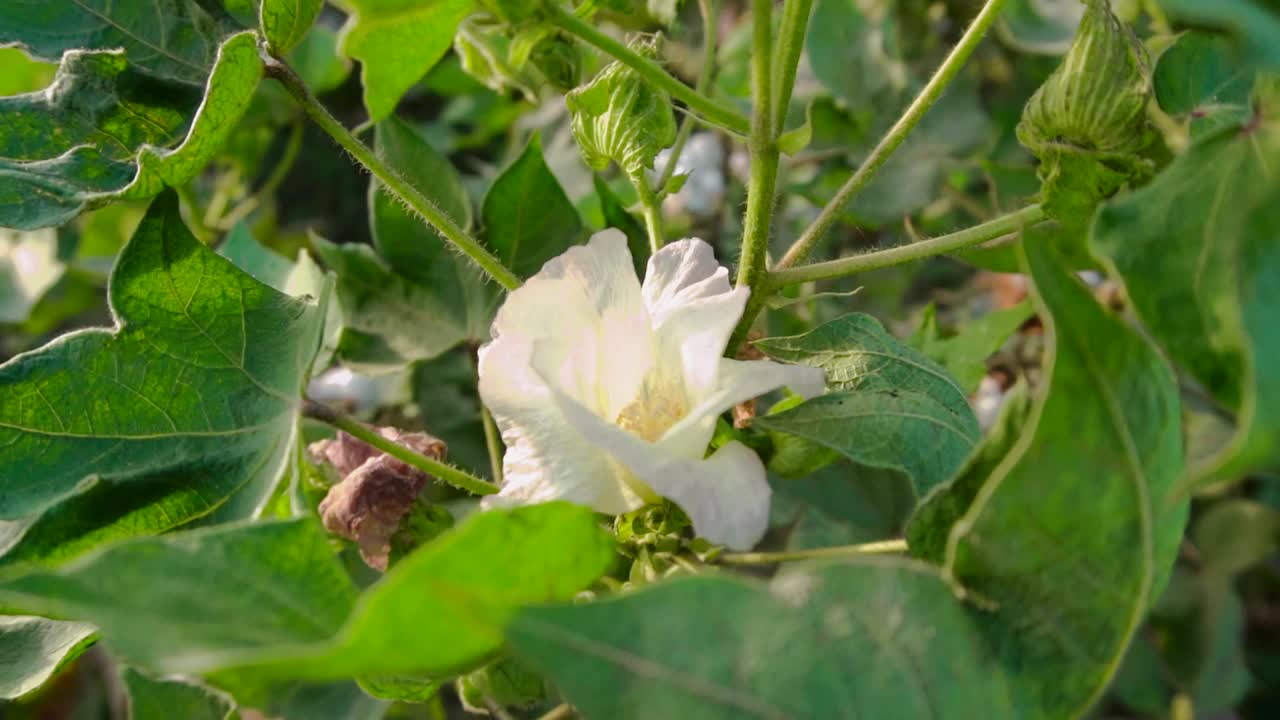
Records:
x=618, y=117
x=1088, y=123
x=894, y=408
x=397, y=42
x=152, y=698
x=285, y=22
x=272, y=597
x=528, y=219
x=170, y=39
x=1198, y=253
x=33, y=648
x=104, y=130
x=188, y=408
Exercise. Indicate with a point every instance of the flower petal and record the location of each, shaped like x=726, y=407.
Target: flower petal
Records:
x=546, y=458
x=586, y=311
x=726, y=496
x=680, y=273
x=737, y=381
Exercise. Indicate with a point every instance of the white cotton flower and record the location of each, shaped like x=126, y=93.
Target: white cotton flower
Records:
x=607, y=393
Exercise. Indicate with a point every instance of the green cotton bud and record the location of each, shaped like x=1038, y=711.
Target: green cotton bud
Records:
x=1088, y=123
x=514, y=12
x=559, y=61
x=618, y=117
x=484, y=52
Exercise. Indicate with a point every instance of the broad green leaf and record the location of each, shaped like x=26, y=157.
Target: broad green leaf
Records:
x=1201, y=239
x=1040, y=26
x=187, y=409
x=33, y=648
x=170, y=39
x=1254, y=24
x=153, y=698
x=29, y=267
x=397, y=42
x=1073, y=533
x=285, y=22
x=965, y=354
x=1200, y=75
x=273, y=598
x=871, y=638
x=111, y=132
x=841, y=504
x=528, y=219
x=892, y=407
x=246, y=253
x=289, y=699
x=850, y=54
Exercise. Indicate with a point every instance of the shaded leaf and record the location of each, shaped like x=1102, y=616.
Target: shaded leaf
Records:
x=1200, y=76
x=1254, y=24
x=397, y=42
x=107, y=131
x=965, y=354
x=272, y=597
x=152, y=698
x=528, y=219
x=617, y=216
x=1200, y=238
x=33, y=648
x=892, y=407
x=187, y=409
x=841, y=504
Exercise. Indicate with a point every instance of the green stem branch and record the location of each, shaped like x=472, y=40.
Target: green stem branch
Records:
x=708, y=109
x=843, y=267
x=390, y=179
x=441, y=471
x=884, y=547
x=763, y=147
x=710, y=18
x=951, y=66
x=651, y=208
x=795, y=21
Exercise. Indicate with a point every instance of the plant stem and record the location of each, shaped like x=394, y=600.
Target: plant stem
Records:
x=896, y=135
x=492, y=443
x=710, y=110
x=651, y=207
x=975, y=235
x=441, y=471
x=763, y=147
x=389, y=178
x=884, y=547
x=710, y=17
x=795, y=20
x=559, y=712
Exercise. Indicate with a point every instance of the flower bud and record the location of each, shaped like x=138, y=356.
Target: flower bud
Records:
x=618, y=117
x=1088, y=123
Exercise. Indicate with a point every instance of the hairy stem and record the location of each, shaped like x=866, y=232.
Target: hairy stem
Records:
x=764, y=161
x=896, y=135
x=795, y=20
x=884, y=547
x=441, y=471
x=390, y=179
x=706, y=108
x=975, y=235
x=710, y=17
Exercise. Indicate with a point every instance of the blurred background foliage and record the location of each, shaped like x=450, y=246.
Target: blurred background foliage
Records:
x=1211, y=647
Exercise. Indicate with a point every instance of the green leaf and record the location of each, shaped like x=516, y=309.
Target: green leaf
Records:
x=397, y=42
x=285, y=22
x=965, y=355
x=1200, y=238
x=850, y=55
x=1073, y=533
x=152, y=698
x=893, y=407
x=271, y=596
x=1254, y=24
x=528, y=219
x=303, y=700
x=880, y=638
x=1235, y=535
x=111, y=132
x=246, y=253
x=170, y=39
x=33, y=648
x=187, y=409
x=841, y=504
x=317, y=62
x=1200, y=76
x=21, y=74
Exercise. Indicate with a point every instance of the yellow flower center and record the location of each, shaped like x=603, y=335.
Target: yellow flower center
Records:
x=658, y=408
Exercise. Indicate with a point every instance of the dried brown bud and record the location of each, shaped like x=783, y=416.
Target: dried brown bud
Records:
x=377, y=491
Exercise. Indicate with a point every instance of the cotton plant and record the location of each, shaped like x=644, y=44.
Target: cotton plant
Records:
x=530, y=444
